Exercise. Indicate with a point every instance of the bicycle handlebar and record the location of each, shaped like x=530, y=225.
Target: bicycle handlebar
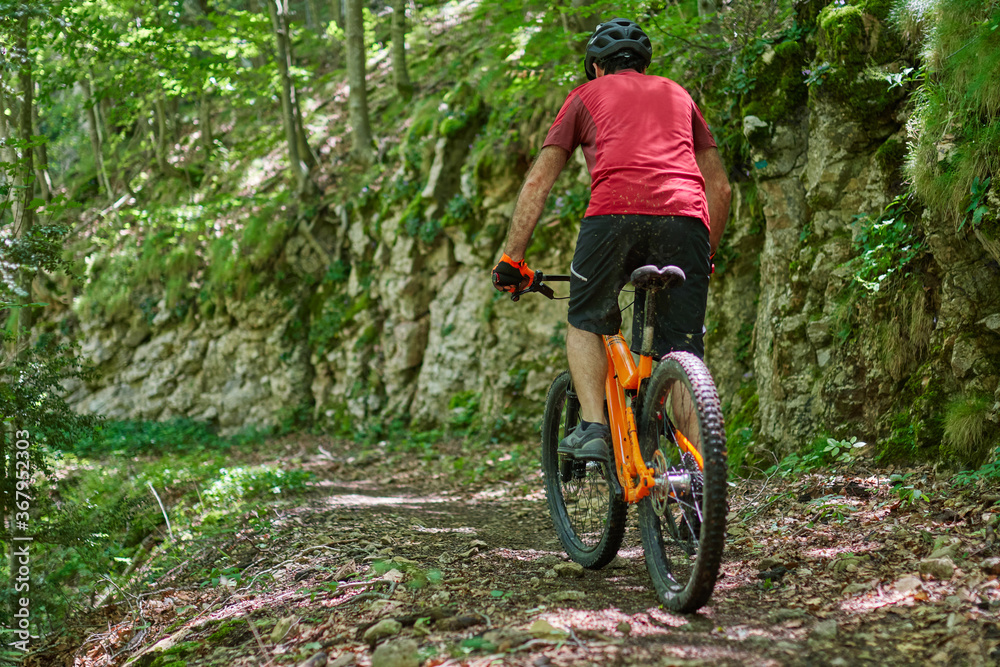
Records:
x=537, y=285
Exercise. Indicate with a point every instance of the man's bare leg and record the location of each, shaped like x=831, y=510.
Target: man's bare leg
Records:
x=685, y=415
x=588, y=364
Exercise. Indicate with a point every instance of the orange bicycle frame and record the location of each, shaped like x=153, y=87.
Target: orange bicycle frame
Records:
x=636, y=478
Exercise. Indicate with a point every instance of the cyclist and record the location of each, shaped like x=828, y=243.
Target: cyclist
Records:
x=658, y=195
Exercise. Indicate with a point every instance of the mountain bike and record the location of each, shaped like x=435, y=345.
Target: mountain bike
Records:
x=669, y=458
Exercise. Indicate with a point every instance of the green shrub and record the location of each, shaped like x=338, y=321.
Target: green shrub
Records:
x=968, y=432
x=178, y=435
x=236, y=484
x=956, y=119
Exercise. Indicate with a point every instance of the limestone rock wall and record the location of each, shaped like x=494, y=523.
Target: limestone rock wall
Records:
x=243, y=366
x=413, y=335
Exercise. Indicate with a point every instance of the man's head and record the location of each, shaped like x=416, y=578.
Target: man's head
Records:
x=616, y=45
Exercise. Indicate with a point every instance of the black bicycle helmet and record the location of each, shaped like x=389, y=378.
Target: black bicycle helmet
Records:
x=613, y=36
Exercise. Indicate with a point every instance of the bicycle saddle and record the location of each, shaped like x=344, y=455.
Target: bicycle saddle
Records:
x=654, y=278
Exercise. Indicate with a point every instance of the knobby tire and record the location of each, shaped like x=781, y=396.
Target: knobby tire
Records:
x=684, y=547
x=587, y=516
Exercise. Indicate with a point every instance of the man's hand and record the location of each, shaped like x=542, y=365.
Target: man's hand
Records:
x=511, y=276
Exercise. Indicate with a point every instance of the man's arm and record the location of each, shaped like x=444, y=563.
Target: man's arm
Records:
x=531, y=200
x=717, y=191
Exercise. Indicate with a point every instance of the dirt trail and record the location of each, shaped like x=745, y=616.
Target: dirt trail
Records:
x=819, y=570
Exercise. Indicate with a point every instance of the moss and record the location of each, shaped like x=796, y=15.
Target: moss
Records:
x=880, y=9
x=369, y=334
x=853, y=42
x=740, y=428
x=225, y=630
x=779, y=88
x=336, y=312
x=968, y=432
x=890, y=155
x=807, y=12
x=866, y=94
x=843, y=39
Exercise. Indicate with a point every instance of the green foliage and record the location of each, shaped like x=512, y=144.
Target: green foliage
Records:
x=830, y=508
x=464, y=408
x=188, y=253
x=825, y=452
x=740, y=428
x=337, y=313
x=968, y=432
x=31, y=395
x=180, y=435
x=988, y=472
x=778, y=88
x=890, y=156
x=246, y=483
x=887, y=245
x=908, y=494
x=854, y=44
x=956, y=120
x=977, y=207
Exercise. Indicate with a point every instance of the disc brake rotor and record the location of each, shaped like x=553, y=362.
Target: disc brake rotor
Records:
x=660, y=494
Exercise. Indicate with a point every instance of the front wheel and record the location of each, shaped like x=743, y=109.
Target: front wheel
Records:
x=683, y=521
x=588, y=517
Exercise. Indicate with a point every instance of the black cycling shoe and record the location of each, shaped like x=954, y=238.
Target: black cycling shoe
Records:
x=587, y=444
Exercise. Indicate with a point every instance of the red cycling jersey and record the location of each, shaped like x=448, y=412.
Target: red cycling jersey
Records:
x=639, y=134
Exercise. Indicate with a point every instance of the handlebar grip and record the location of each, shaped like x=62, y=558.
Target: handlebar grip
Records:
x=537, y=285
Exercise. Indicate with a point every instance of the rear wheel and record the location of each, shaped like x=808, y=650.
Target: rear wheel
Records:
x=683, y=521
x=588, y=517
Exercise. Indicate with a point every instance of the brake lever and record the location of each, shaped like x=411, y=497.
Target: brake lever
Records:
x=535, y=286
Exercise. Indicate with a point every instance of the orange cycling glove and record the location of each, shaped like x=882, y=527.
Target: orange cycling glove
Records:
x=511, y=276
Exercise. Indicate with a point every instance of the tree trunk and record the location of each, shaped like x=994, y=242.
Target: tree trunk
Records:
x=711, y=8
x=278, y=10
x=205, y=123
x=397, y=32
x=358, y=101
x=313, y=17
x=95, y=136
x=337, y=9
x=200, y=17
x=708, y=7
x=6, y=152
x=42, y=168
x=305, y=151
x=582, y=23
x=160, y=108
x=24, y=220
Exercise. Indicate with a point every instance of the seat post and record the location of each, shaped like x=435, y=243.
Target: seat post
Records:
x=650, y=279
x=648, y=322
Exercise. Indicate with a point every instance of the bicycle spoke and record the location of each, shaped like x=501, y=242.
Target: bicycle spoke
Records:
x=588, y=518
x=683, y=524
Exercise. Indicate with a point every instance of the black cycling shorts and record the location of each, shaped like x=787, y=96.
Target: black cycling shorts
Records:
x=610, y=247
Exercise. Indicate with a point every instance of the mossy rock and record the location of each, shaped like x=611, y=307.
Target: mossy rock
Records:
x=843, y=38
x=857, y=35
x=868, y=97
x=880, y=9
x=807, y=12
x=890, y=156
x=228, y=632
x=779, y=88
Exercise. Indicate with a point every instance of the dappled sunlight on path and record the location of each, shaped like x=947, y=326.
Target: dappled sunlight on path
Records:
x=474, y=575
